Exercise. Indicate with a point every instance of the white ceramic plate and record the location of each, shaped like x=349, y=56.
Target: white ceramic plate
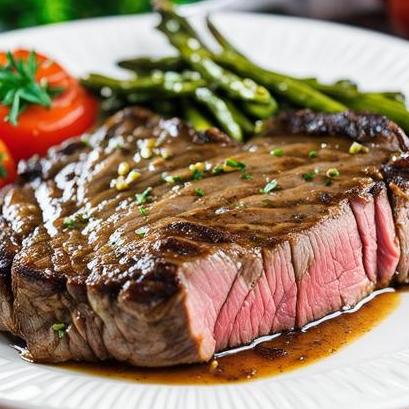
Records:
x=371, y=373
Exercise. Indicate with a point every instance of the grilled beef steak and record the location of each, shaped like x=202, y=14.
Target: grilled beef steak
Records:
x=184, y=261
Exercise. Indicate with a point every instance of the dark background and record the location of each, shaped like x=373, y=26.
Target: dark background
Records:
x=391, y=16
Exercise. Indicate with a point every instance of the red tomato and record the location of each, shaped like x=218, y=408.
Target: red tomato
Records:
x=72, y=112
x=7, y=166
x=399, y=10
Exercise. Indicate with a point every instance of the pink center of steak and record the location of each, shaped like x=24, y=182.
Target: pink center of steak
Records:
x=329, y=267
x=388, y=245
x=364, y=211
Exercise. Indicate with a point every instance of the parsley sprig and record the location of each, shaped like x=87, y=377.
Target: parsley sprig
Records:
x=19, y=87
x=144, y=197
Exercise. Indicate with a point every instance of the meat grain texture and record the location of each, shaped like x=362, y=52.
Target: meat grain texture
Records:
x=210, y=261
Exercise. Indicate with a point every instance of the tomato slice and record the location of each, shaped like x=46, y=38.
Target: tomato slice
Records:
x=72, y=112
x=7, y=166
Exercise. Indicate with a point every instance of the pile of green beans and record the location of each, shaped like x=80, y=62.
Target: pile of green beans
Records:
x=227, y=89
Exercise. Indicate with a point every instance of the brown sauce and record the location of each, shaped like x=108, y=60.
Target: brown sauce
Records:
x=282, y=354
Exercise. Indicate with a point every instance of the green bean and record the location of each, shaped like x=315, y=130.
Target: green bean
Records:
x=169, y=83
x=218, y=107
x=343, y=86
x=392, y=95
x=200, y=59
x=195, y=117
x=296, y=91
x=261, y=111
x=245, y=123
x=175, y=22
x=146, y=64
x=98, y=81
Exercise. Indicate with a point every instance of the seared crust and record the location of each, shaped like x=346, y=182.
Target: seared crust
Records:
x=102, y=279
x=360, y=127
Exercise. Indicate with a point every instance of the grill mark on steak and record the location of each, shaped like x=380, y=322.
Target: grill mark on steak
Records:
x=178, y=246
x=201, y=233
x=102, y=280
x=156, y=280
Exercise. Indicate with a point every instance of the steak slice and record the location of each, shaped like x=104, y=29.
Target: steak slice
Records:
x=214, y=257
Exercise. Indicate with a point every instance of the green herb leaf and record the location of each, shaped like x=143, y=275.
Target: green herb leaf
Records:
x=358, y=148
x=69, y=223
x=144, y=197
x=277, y=152
x=246, y=176
x=217, y=170
x=199, y=192
x=333, y=173
x=141, y=232
x=309, y=176
x=270, y=186
x=60, y=329
x=171, y=179
x=197, y=175
x=143, y=211
x=19, y=87
x=75, y=221
x=312, y=154
x=235, y=164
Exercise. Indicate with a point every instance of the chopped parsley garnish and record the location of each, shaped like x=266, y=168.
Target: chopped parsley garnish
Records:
x=141, y=232
x=328, y=182
x=235, y=164
x=3, y=171
x=143, y=211
x=277, y=152
x=246, y=176
x=172, y=180
x=199, y=192
x=358, y=148
x=309, y=176
x=76, y=221
x=197, y=174
x=69, y=223
x=60, y=329
x=144, y=197
x=332, y=173
x=217, y=170
x=312, y=154
x=270, y=186
x=19, y=87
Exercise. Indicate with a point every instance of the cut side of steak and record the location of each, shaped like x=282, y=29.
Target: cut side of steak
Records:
x=213, y=258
